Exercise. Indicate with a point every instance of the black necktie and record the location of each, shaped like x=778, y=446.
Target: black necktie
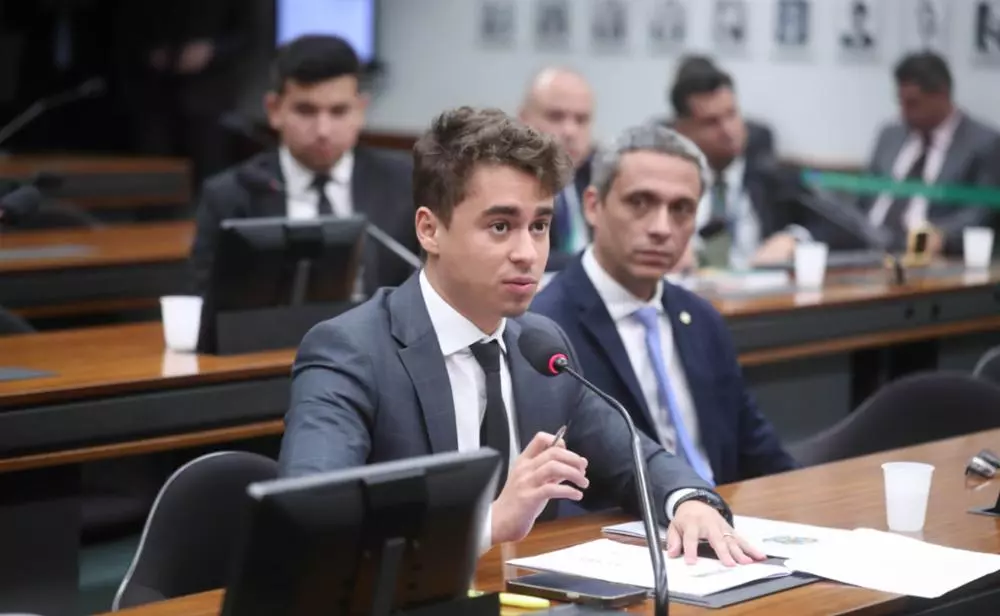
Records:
x=319, y=183
x=897, y=210
x=493, y=430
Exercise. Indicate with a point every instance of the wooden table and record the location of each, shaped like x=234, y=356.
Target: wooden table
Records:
x=846, y=494
x=72, y=272
x=96, y=181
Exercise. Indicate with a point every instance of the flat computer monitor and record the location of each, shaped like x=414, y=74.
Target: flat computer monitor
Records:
x=272, y=279
x=387, y=538
x=356, y=21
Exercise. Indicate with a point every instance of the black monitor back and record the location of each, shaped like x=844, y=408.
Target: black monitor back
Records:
x=272, y=279
x=404, y=533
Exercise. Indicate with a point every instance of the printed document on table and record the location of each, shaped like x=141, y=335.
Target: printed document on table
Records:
x=897, y=564
x=774, y=538
x=621, y=563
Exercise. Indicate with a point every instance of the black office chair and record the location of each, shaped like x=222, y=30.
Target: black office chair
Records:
x=988, y=366
x=915, y=409
x=191, y=533
x=11, y=323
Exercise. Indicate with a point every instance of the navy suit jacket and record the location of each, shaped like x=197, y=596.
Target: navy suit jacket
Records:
x=739, y=441
x=371, y=386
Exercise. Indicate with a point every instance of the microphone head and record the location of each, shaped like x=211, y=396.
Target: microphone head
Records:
x=544, y=350
x=20, y=203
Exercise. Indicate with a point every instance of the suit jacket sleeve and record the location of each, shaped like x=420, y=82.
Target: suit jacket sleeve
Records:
x=600, y=435
x=760, y=449
x=985, y=174
x=208, y=217
x=333, y=401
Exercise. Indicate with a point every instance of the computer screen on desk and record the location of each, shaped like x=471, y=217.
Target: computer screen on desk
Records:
x=274, y=278
x=378, y=539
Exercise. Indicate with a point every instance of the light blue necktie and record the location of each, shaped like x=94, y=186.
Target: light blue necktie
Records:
x=649, y=317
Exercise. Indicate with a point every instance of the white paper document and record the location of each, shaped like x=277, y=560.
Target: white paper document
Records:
x=897, y=564
x=621, y=563
x=779, y=539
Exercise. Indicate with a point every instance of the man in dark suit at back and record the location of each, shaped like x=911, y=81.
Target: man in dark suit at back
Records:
x=317, y=109
x=661, y=350
x=559, y=102
x=748, y=215
x=434, y=365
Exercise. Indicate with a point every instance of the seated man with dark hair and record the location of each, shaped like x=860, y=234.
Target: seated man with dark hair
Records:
x=317, y=109
x=937, y=143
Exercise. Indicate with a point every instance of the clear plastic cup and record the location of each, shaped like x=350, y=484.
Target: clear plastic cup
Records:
x=810, y=264
x=977, y=246
x=181, y=321
x=907, y=491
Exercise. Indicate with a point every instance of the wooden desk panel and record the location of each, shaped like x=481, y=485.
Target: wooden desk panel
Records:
x=846, y=494
x=131, y=244
x=115, y=266
x=113, y=360
x=97, y=181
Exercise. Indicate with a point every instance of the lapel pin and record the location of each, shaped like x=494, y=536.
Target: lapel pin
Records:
x=685, y=318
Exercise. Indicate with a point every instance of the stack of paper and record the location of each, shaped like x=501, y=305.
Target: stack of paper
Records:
x=863, y=557
x=621, y=563
x=893, y=563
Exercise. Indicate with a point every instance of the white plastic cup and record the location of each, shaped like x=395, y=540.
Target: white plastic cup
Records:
x=810, y=264
x=907, y=490
x=977, y=244
x=181, y=321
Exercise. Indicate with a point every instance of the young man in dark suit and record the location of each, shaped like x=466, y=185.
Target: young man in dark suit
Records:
x=662, y=351
x=316, y=107
x=434, y=365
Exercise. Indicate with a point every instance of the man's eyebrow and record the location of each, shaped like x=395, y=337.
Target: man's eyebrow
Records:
x=502, y=210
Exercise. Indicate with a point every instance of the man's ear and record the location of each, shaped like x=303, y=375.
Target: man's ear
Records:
x=272, y=103
x=591, y=201
x=428, y=225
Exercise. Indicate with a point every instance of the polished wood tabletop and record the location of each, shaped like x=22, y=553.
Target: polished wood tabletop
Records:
x=116, y=359
x=23, y=165
x=163, y=180
x=846, y=495
x=127, y=244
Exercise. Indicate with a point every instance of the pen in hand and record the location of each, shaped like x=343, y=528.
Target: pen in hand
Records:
x=559, y=435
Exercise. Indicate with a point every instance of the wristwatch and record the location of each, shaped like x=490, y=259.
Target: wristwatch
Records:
x=711, y=499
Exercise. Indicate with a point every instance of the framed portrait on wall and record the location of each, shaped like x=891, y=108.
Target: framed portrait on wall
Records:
x=667, y=26
x=860, y=30
x=793, y=30
x=497, y=24
x=609, y=26
x=731, y=27
x=926, y=25
x=553, y=25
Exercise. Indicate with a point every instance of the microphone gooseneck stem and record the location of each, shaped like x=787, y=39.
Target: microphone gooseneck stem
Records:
x=661, y=594
x=395, y=247
x=21, y=121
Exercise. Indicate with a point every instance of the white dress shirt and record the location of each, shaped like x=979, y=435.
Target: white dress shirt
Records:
x=916, y=211
x=621, y=305
x=302, y=200
x=456, y=334
x=745, y=226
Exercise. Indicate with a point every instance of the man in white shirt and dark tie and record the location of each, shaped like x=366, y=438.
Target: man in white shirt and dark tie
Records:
x=316, y=107
x=935, y=143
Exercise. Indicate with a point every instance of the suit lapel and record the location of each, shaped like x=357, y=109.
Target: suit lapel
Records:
x=688, y=347
x=422, y=359
x=365, y=187
x=525, y=397
x=954, y=158
x=270, y=203
x=596, y=321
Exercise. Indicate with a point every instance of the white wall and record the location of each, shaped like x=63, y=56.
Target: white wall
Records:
x=821, y=109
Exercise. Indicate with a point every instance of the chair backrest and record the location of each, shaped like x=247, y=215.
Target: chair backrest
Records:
x=192, y=529
x=916, y=409
x=10, y=323
x=988, y=366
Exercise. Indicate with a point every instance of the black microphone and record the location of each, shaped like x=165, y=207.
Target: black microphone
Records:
x=849, y=219
x=88, y=89
x=19, y=204
x=547, y=354
x=261, y=180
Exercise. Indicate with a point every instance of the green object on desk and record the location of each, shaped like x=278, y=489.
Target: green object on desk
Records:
x=952, y=194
